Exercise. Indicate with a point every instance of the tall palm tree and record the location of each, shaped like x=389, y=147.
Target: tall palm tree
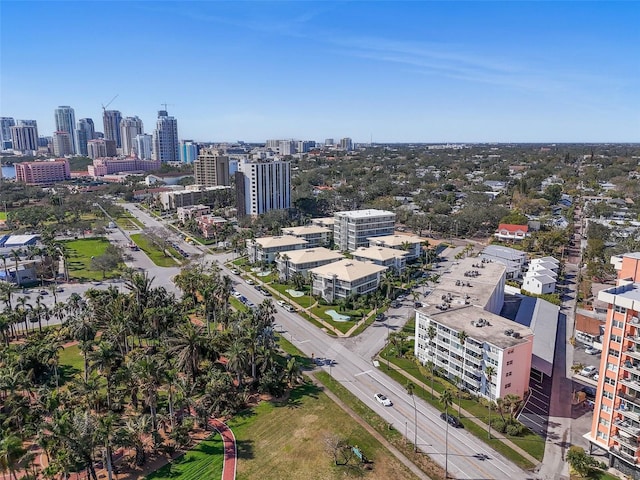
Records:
x=83, y=329
x=237, y=360
x=410, y=391
x=462, y=339
x=446, y=399
x=187, y=345
x=6, y=291
x=489, y=372
x=105, y=359
x=15, y=254
x=11, y=452
x=22, y=308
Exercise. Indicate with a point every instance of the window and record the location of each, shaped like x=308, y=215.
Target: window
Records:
x=510, y=362
x=617, y=323
x=508, y=385
x=608, y=395
x=616, y=338
x=508, y=374
x=620, y=309
x=614, y=353
x=604, y=421
x=510, y=351
x=603, y=435
x=611, y=367
x=609, y=381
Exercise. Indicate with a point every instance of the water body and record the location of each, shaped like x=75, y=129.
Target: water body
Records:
x=8, y=171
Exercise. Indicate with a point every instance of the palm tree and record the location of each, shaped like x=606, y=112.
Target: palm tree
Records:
x=462, y=338
x=490, y=371
x=11, y=452
x=410, y=391
x=187, y=345
x=105, y=359
x=292, y=372
x=237, y=360
x=446, y=399
x=21, y=311
x=15, y=254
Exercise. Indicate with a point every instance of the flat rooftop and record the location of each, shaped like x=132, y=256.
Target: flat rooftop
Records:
x=371, y=212
x=505, y=253
x=323, y=221
x=493, y=331
x=478, y=289
x=626, y=295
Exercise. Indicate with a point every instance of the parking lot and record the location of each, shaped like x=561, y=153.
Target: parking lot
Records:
x=535, y=412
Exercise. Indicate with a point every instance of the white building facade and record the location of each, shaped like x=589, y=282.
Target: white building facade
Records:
x=263, y=186
x=352, y=229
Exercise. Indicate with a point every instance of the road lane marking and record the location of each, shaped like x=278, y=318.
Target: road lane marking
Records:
x=362, y=373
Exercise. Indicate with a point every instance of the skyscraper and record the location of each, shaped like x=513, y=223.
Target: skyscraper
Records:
x=346, y=144
x=100, y=147
x=130, y=127
x=188, y=151
x=85, y=132
x=111, y=122
x=165, y=138
x=262, y=186
x=211, y=169
x=5, y=131
x=62, y=144
x=24, y=136
x=144, y=143
x=66, y=122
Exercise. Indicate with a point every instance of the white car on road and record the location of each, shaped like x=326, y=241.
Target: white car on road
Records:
x=383, y=400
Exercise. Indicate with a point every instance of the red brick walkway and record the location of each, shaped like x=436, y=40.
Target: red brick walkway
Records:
x=230, y=451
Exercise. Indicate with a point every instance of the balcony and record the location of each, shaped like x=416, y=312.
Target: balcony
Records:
x=626, y=441
x=627, y=426
x=630, y=398
x=633, y=367
x=632, y=352
x=630, y=413
x=473, y=348
x=630, y=383
x=624, y=455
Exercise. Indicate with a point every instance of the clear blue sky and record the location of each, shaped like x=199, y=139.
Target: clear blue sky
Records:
x=414, y=71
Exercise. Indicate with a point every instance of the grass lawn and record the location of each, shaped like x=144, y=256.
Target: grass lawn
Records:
x=238, y=305
x=203, y=461
x=80, y=253
x=286, y=440
x=304, y=301
x=355, y=316
x=152, y=252
x=71, y=363
x=3, y=216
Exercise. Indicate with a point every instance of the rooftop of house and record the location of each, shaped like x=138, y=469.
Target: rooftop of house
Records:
x=309, y=255
x=280, y=241
x=327, y=221
x=396, y=240
x=378, y=253
x=513, y=228
x=306, y=230
x=503, y=252
x=348, y=270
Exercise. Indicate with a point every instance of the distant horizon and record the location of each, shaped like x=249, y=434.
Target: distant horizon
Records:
x=397, y=72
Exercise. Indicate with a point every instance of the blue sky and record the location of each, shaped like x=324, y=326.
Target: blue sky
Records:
x=391, y=71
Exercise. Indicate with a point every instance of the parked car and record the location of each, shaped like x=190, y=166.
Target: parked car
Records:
x=250, y=282
x=236, y=294
x=44, y=292
x=289, y=308
x=379, y=317
x=383, y=400
x=451, y=420
x=395, y=304
x=592, y=351
x=417, y=305
x=589, y=371
x=281, y=303
x=235, y=271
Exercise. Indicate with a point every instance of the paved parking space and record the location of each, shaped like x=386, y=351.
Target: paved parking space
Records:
x=535, y=412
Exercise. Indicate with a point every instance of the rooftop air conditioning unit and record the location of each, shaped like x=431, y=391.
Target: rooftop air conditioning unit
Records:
x=516, y=335
x=508, y=332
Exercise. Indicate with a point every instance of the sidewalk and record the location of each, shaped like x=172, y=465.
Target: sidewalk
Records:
x=464, y=413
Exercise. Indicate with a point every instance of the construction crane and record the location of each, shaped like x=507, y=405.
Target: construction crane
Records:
x=104, y=107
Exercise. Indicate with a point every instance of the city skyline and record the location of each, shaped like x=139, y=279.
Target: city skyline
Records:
x=388, y=72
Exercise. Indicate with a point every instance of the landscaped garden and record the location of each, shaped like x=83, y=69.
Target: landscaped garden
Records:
x=203, y=461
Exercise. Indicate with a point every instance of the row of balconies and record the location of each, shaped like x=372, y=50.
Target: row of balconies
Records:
x=630, y=457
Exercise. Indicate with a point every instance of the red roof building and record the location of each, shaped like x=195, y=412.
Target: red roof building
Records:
x=507, y=231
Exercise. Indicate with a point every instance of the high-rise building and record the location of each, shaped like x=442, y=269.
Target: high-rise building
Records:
x=101, y=147
x=262, y=186
x=616, y=416
x=287, y=147
x=144, y=146
x=111, y=122
x=346, y=144
x=66, y=122
x=352, y=229
x=130, y=128
x=165, y=138
x=62, y=144
x=188, y=151
x=43, y=173
x=24, y=136
x=305, y=146
x=211, y=168
x=329, y=142
x=5, y=131
x=85, y=132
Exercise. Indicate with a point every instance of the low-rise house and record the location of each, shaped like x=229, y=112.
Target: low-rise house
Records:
x=411, y=244
x=194, y=211
x=511, y=232
x=210, y=224
x=539, y=283
x=385, y=257
x=316, y=236
x=346, y=277
x=301, y=261
x=265, y=249
x=514, y=260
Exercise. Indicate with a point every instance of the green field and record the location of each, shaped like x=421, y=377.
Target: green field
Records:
x=203, y=461
x=71, y=363
x=80, y=253
x=3, y=216
x=153, y=252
